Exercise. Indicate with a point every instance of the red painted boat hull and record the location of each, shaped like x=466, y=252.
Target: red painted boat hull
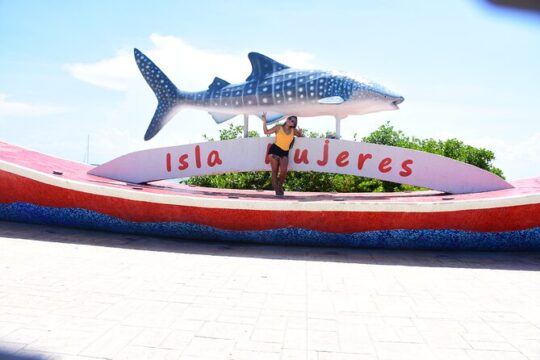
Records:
x=50, y=184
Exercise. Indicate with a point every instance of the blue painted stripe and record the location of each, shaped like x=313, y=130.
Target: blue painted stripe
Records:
x=390, y=239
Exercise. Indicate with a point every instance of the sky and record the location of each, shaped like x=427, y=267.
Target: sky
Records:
x=467, y=69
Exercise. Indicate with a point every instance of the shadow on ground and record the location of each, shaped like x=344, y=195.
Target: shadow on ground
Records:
x=5, y=354
x=529, y=261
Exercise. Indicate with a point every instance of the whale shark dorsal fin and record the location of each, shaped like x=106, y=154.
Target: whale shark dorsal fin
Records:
x=262, y=65
x=218, y=84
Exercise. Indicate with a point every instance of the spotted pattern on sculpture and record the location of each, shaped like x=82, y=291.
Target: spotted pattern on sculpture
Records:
x=271, y=87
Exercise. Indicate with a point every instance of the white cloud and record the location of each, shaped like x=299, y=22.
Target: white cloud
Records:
x=114, y=73
x=17, y=108
x=188, y=67
x=518, y=159
x=121, y=130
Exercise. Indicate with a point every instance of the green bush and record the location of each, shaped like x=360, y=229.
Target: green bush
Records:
x=246, y=180
x=325, y=182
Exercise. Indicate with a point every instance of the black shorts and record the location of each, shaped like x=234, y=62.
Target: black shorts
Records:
x=276, y=150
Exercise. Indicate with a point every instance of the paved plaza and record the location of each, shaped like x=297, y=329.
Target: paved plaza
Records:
x=75, y=294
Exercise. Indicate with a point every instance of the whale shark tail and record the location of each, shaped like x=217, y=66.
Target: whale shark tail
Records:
x=168, y=95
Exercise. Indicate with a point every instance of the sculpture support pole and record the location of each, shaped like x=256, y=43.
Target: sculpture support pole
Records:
x=246, y=125
x=338, y=128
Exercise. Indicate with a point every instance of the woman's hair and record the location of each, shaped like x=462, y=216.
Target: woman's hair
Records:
x=292, y=117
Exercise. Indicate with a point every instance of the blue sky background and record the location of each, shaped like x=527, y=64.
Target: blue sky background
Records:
x=466, y=69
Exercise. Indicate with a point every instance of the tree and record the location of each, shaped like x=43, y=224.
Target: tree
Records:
x=325, y=182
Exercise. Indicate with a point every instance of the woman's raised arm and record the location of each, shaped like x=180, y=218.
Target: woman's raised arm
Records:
x=265, y=129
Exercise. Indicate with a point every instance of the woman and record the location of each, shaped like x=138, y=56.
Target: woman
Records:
x=279, y=151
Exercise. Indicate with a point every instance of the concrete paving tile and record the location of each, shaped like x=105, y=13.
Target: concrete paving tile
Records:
x=353, y=333
x=221, y=330
x=12, y=317
x=177, y=339
x=445, y=340
x=250, y=355
x=62, y=323
x=187, y=324
x=111, y=343
x=8, y=327
x=203, y=313
x=24, y=335
x=295, y=339
x=403, y=351
x=322, y=324
x=383, y=332
x=495, y=355
x=450, y=354
x=510, y=330
x=479, y=331
x=154, y=314
x=502, y=316
x=151, y=337
x=297, y=322
x=57, y=356
x=250, y=345
x=93, y=296
x=210, y=348
x=323, y=340
x=491, y=345
x=267, y=335
x=148, y=353
x=529, y=348
x=357, y=347
x=296, y=354
x=70, y=341
x=276, y=322
x=322, y=355
x=121, y=309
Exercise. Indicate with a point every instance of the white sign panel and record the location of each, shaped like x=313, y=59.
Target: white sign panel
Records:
x=382, y=162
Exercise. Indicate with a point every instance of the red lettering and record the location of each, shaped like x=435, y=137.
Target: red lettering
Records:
x=342, y=159
x=267, y=157
x=168, y=162
x=183, y=163
x=324, y=160
x=198, y=156
x=384, y=165
x=406, y=169
x=300, y=157
x=362, y=159
x=214, y=159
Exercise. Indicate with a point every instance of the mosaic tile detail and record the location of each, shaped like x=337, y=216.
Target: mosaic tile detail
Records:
x=390, y=239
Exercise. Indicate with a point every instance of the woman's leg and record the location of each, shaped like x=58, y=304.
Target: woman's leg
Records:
x=283, y=169
x=274, y=164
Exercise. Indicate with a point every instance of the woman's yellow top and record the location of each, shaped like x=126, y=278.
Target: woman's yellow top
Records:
x=284, y=140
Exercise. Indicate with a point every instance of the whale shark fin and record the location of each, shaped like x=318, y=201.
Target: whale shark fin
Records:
x=272, y=117
x=332, y=100
x=221, y=117
x=262, y=65
x=218, y=84
x=168, y=96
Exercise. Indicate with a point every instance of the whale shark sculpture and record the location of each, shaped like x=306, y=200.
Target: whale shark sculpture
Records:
x=271, y=87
